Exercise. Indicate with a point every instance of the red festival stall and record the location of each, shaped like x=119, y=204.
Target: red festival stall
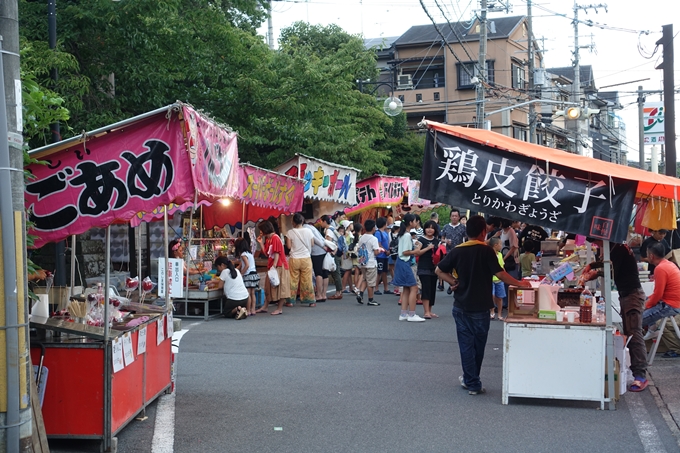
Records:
x=105, y=369
x=377, y=191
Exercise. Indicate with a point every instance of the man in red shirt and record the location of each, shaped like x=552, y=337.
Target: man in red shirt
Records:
x=665, y=300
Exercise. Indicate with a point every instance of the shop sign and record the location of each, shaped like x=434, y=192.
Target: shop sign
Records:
x=141, y=341
x=160, y=332
x=214, y=155
x=270, y=190
x=653, y=121
x=175, y=274
x=323, y=180
x=379, y=191
x=117, y=354
x=94, y=184
x=485, y=179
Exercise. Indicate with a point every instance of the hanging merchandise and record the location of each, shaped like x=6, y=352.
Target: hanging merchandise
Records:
x=659, y=215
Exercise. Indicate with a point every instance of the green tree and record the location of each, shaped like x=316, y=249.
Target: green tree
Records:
x=405, y=148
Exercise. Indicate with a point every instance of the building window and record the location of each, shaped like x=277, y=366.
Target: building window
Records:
x=519, y=132
x=518, y=76
x=464, y=79
x=419, y=97
x=430, y=76
x=436, y=95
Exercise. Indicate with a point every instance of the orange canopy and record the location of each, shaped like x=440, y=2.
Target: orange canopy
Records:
x=649, y=184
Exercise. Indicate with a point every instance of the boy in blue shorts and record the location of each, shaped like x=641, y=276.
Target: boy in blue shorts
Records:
x=498, y=287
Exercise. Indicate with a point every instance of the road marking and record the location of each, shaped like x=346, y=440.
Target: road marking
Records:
x=164, y=427
x=646, y=430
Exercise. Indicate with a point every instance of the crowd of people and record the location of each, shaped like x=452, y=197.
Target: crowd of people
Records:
x=477, y=257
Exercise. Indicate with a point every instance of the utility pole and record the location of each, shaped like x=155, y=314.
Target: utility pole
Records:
x=576, y=86
x=641, y=126
x=669, y=96
x=15, y=409
x=270, y=27
x=479, y=89
x=530, y=51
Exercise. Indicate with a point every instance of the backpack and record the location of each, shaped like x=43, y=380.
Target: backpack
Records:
x=439, y=254
x=351, y=250
x=363, y=255
x=394, y=247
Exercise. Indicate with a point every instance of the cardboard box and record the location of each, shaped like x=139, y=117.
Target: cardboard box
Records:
x=547, y=314
x=617, y=385
x=528, y=298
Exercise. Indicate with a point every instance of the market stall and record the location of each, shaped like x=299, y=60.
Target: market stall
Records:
x=378, y=191
x=485, y=171
x=171, y=156
x=329, y=187
x=262, y=194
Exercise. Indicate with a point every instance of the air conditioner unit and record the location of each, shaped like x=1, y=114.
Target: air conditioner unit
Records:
x=405, y=82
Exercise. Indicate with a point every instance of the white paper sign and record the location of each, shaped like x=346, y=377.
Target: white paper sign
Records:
x=128, y=353
x=160, y=332
x=141, y=341
x=176, y=277
x=117, y=347
x=169, y=326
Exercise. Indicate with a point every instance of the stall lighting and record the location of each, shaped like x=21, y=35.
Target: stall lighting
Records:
x=225, y=201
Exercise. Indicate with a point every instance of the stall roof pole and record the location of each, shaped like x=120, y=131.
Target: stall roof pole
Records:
x=107, y=282
x=167, y=258
x=191, y=233
x=73, y=266
x=139, y=258
x=610, y=328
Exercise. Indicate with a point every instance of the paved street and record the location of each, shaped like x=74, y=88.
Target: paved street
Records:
x=343, y=377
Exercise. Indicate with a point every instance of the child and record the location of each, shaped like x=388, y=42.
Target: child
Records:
x=498, y=287
x=526, y=259
x=251, y=279
x=369, y=268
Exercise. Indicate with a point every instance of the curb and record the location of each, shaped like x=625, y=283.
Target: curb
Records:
x=663, y=408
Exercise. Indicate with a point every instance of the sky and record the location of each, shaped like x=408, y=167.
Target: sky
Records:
x=617, y=57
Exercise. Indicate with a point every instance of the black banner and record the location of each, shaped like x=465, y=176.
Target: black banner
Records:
x=472, y=176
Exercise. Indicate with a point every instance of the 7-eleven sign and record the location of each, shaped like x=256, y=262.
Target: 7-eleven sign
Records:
x=653, y=118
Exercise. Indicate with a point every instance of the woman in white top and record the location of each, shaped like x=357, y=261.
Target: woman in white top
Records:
x=300, y=240
x=235, y=291
x=246, y=265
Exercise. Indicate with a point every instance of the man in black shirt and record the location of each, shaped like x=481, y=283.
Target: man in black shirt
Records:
x=533, y=232
x=657, y=236
x=632, y=301
x=474, y=264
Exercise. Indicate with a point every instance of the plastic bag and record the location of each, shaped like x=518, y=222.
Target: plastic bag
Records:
x=273, y=277
x=328, y=263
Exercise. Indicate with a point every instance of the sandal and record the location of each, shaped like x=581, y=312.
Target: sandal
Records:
x=638, y=385
x=312, y=305
x=433, y=315
x=262, y=310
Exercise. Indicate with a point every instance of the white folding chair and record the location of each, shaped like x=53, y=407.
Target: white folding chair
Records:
x=655, y=346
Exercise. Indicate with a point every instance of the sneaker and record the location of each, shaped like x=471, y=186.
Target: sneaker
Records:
x=403, y=317
x=396, y=292
x=347, y=291
x=462, y=382
x=415, y=318
x=372, y=303
x=449, y=291
x=360, y=299
x=477, y=392
x=650, y=334
x=670, y=355
x=388, y=292
x=440, y=287
x=377, y=293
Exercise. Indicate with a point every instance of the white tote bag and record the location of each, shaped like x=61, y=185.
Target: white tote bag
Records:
x=328, y=263
x=273, y=277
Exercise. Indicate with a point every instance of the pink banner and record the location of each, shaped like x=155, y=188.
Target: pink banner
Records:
x=379, y=191
x=269, y=189
x=214, y=155
x=109, y=179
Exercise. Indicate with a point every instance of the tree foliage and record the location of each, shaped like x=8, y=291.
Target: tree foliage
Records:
x=127, y=58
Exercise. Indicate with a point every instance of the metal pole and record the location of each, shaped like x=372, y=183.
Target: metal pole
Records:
x=9, y=280
x=167, y=258
x=139, y=258
x=479, y=89
x=191, y=231
x=73, y=265
x=107, y=282
x=641, y=126
x=610, y=327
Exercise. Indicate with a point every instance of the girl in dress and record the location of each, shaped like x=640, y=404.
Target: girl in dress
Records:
x=403, y=275
x=247, y=266
x=271, y=245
